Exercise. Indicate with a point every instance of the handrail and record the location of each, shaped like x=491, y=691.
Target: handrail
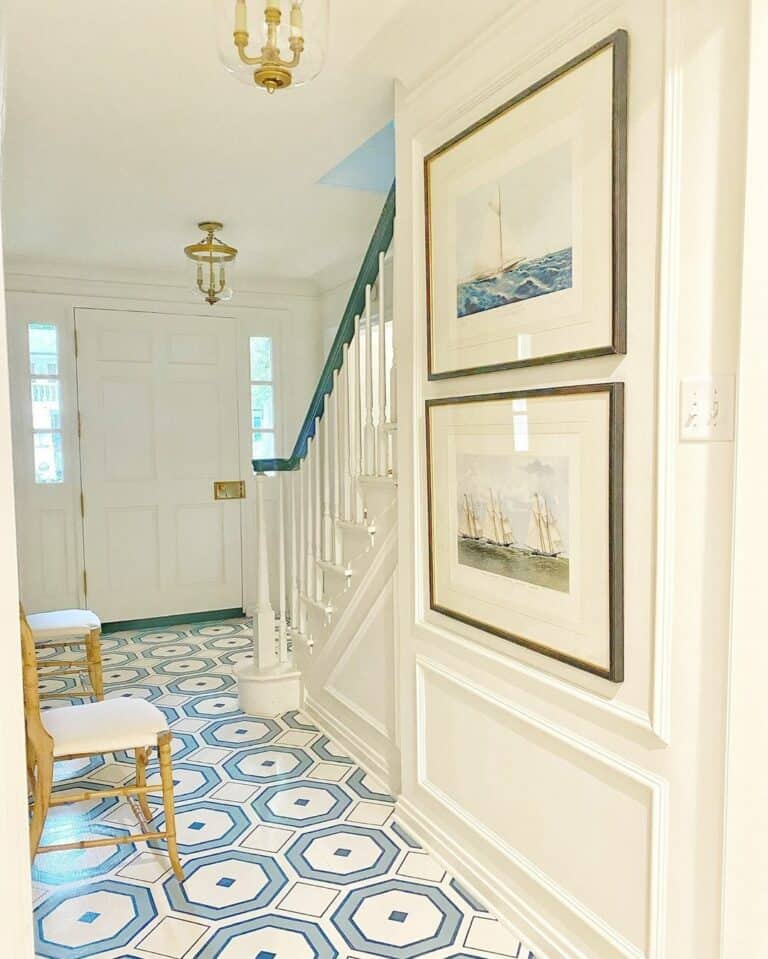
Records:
x=380, y=241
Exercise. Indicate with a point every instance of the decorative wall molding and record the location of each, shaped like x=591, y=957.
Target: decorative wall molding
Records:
x=656, y=788
x=384, y=597
x=365, y=755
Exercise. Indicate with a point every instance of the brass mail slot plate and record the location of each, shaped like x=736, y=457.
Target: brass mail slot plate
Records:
x=233, y=489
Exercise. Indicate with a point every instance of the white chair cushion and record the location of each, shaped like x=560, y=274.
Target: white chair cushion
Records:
x=104, y=727
x=62, y=623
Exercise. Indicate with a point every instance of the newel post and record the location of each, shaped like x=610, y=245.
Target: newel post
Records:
x=264, y=652
x=265, y=686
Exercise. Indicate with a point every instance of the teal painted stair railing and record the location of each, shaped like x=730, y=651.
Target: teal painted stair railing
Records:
x=380, y=241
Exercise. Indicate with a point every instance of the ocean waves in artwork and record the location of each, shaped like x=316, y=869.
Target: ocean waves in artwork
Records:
x=524, y=281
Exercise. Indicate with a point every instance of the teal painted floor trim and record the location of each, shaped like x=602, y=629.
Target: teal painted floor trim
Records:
x=208, y=616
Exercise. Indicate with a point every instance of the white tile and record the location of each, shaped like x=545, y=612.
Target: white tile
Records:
x=489, y=935
x=172, y=938
x=420, y=865
x=370, y=813
x=170, y=699
x=296, y=737
x=189, y=725
x=234, y=792
x=114, y=773
x=309, y=900
x=331, y=772
x=146, y=867
x=210, y=755
x=267, y=838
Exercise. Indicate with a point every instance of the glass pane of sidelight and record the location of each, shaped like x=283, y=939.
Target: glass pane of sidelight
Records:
x=46, y=406
x=261, y=358
x=43, y=349
x=262, y=408
x=263, y=446
x=49, y=459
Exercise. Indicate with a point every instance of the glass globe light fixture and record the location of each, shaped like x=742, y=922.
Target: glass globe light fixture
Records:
x=274, y=44
x=213, y=259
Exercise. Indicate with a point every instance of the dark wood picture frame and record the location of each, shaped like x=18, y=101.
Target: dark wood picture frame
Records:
x=619, y=42
x=615, y=508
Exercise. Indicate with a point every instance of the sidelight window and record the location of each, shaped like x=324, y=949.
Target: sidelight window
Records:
x=45, y=384
x=262, y=398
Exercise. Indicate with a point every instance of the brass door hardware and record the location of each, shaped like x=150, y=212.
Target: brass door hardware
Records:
x=229, y=489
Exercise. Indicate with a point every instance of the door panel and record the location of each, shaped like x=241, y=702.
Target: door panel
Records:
x=158, y=404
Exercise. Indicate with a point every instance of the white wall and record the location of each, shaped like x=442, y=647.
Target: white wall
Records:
x=290, y=314
x=745, y=907
x=590, y=815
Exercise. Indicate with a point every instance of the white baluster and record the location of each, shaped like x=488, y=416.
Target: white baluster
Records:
x=382, y=440
x=336, y=398
x=327, y=550
x=393, y=409
x=294, y=480
x=369, y=454
x=346, y=432
x=357, y=425
x=301, y=558
x=310, y=558
x=264, y=618
x=283, y=626
x=317, y=512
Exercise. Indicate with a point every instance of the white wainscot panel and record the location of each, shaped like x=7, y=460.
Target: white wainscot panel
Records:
x=54, y=553
x=589, y=821
x=193, y=446
x=133, y=547
x=128, y=411
x=200, y=544
x=363, y=678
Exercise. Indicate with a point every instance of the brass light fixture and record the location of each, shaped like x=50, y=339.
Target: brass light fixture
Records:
x=292, y=34
x=211, y=254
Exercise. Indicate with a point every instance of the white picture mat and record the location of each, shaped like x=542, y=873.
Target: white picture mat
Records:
x=575, y=110
x=574, y=624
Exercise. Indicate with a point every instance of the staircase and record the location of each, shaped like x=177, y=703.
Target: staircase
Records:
x=327, y=642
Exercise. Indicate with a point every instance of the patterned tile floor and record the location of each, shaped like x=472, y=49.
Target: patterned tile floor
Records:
x=290, y=850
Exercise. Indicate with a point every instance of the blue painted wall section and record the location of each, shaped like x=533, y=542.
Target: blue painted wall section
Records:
x=370, y=168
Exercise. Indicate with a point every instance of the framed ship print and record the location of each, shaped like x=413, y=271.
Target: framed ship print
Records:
x=526, y=225
x=525, y=519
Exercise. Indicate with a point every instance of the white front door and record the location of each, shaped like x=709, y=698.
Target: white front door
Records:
x=159, y=425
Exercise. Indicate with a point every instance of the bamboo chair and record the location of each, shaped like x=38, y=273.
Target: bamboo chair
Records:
x=74, y=732
x=67, y=629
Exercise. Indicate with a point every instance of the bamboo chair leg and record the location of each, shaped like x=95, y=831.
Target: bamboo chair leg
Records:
x=30, y=769
x=93, y=656
x=166, y=777
x=141, y=780
x=42, y=798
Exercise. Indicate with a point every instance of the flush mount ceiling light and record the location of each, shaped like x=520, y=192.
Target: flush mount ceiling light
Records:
x=293, y=36
x=211, y=254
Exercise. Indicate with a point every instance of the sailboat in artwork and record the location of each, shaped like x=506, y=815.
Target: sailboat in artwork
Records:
x=472, y=527
x=543, y=537
x=491, y=260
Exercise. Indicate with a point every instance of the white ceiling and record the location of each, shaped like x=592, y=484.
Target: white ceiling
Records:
x=123, y=130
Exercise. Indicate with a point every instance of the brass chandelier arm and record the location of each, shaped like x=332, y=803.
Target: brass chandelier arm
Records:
x=270, y=56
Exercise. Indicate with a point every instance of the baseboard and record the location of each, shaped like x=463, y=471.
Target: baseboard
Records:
x=533, y=929
x=369, y=759
x=177, y=619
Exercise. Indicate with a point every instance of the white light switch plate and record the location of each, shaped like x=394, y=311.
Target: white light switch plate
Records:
x=707, y=410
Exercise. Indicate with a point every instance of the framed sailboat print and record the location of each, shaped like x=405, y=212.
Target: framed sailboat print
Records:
x=526, y=224
x=525, y=519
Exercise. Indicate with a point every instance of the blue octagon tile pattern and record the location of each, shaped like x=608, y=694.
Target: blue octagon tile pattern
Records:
x=92, y=919
x=343, y=854
x=279, y=834
x=406, y=919
x=222, y=886
x=303, y=803
x=268, y=764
